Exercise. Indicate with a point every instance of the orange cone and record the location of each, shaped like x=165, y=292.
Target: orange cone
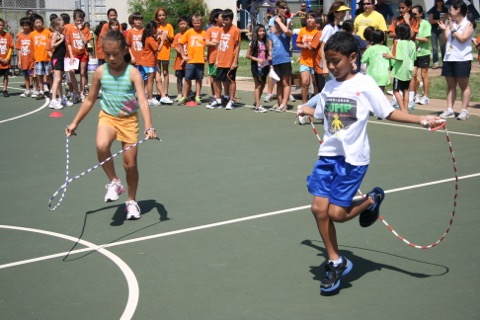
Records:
x=56, y=114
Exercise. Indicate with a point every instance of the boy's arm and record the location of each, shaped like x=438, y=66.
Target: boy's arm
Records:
x=89, y=102
x=137, y=81
x=427, y=121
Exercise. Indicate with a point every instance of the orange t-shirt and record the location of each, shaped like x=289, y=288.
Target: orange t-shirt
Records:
x=414, y=25
x=149, y=51
x=195, y=42
x=41, y=44
x=6, y=44
x=178, y=64
x=134, y=41
x=86, y=34
x=228, y=40
x=212, y=34
x=74, y=39
x=305, y=37
x=164, y=54
x=98, y=45
x=24, y=47
x=317, y=53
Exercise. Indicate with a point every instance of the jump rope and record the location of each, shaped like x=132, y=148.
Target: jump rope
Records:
x=443, y=126
x=69, y=180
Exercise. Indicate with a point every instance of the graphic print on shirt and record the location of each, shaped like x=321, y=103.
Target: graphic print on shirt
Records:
x=340, y=113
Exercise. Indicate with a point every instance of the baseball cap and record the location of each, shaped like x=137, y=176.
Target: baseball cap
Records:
x=343, y=8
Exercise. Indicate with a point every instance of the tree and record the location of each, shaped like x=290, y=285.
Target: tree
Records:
x=174, y=9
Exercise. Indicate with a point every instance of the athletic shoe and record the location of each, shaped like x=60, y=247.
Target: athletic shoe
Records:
x=417, y=99
x=5, y=94
x=261, y=109
x=370, y=215
x=435, y=65
x=230, y=105
x=447, y=114
x=281, y=108
x=214, y=104
x=411, y=105
x=114, y=190
x=333, y=274
x=424, y=100
x=395, y=104
x=133, y=210
x=76, y=98
x=390, y=92
x=153, y=102
x=39, y=96
x=66, y=103
x=178, y=98
x=291, y=98
x=26, y=94
x=45, y=88
x=198, y=100
x=182, y=100
x=302, y=120
x=55, y=104
x=274, y=108
x=166, y=100
x=34, y=94
x=463, y=115
x=268, y=97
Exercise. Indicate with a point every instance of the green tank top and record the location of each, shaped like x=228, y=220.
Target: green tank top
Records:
x=118, y=93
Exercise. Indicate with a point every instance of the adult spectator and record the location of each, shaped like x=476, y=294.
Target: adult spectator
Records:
x=385, y=10
x=457, y=63
x=369, y=18
x=437, y=13
x=302, y=13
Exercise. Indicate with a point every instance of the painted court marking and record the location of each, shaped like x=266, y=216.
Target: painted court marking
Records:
x=47, y=101
x=133, y=288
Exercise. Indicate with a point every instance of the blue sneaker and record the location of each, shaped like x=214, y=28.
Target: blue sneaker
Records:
x=369, y=216
x=331, y=280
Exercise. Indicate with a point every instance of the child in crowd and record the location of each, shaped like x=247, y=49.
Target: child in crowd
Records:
x=227, y=61
x=279, y=46
x=259, y=55
x=422, y=63
x=211, y=42
x=194, y=56
x=403, y=60
x=134, y=42
x=179, y=64
x=26, y=60
x=305, y=37
x=111, y=14
x=58, y=45
x=163, y=57
x=79, y=39
x=6, y=50
x=347, y=26
x=345, y=104
x=122, y=96
x=41, y=42
x=151, y=46
x=378, y=67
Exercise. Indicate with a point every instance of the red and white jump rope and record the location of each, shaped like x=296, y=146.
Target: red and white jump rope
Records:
x=442, y=125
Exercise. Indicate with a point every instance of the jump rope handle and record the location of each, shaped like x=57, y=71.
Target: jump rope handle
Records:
x=441, y=124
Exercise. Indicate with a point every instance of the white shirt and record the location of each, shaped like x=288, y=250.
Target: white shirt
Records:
x=456, y=50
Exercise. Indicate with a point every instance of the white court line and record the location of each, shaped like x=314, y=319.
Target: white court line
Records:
x=218, y=224
x=47, y=101
x=132, y=283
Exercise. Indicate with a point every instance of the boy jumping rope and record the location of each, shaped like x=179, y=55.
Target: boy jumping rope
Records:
x=118, y=119
x=345, y=104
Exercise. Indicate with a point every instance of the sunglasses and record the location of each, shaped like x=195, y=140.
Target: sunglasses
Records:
x=283, y=7
x=367, y=3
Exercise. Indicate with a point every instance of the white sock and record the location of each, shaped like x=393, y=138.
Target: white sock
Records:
x=336, y=262
x=411, y=95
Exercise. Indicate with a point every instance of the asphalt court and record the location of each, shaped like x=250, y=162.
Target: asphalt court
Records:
x=226, y=231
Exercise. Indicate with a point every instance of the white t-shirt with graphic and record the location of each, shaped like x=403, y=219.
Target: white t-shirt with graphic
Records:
x=345, y=107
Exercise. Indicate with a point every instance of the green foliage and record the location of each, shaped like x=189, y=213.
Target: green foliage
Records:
x=174, y=9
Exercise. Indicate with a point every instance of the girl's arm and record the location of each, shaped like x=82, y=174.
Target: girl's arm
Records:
x=283, y=27
x=56, y=40
x=137, y=82
x=89, y=102
x=324, y=61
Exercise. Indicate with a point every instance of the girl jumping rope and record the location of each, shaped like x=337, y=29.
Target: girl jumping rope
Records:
x=118, y=119
x=258, y=52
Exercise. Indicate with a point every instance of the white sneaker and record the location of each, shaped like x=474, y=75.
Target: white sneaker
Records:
x=261, y=109
x=230, y=105
x=395, y=103
x=26, y=94
x=390, y=92
x=166, y=100
x=291, y=98
x=268, y=98
x=55, y=104
x=302, y=120
x=34, y=94
x=133, y=210
x=463, y=115
x=153, y=102
x=66, y=103
x=214, y=104
x=424, y=100
x=447, y=114
x=417, y=99
x=114, y=190
x=411, y=105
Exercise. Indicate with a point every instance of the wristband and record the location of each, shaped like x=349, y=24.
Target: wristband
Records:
x=149, y=129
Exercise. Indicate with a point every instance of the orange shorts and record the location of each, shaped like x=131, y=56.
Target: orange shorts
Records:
x=126, y=128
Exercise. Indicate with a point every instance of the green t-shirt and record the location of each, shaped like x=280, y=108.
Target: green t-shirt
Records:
x=405, y=56
x=377, y=66
x=425, y=31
